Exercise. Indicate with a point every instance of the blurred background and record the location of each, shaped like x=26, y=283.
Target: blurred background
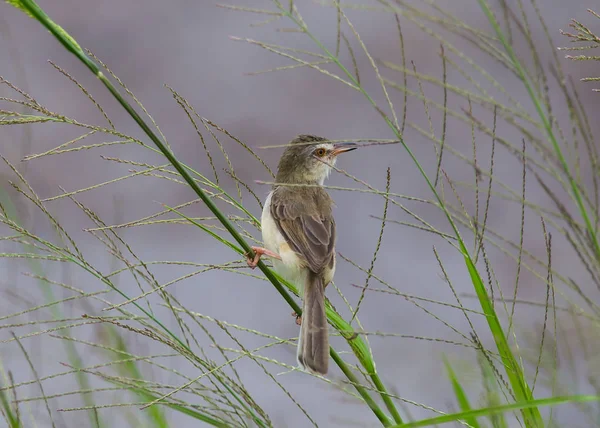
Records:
x=187, y=45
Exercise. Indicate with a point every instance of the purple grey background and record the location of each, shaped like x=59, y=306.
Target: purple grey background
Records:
x=186, y=45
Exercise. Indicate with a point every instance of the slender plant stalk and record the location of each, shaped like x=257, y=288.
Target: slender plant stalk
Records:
x=463, y=416
x=363, y=393
x=72, y=354
x=8, y=412
x=461, y=396
x=142, y=392
x=516, y=376
x=72, y=46
x=517, y=383
x=546, y=122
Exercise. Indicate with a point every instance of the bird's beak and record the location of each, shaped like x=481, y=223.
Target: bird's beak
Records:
x=343, y=147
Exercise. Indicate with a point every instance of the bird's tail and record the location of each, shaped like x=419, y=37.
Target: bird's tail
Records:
x=313, y=343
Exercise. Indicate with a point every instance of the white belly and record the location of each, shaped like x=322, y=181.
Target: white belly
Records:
x=289, y=267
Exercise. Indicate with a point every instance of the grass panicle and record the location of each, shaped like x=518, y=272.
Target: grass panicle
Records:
x=189, y=363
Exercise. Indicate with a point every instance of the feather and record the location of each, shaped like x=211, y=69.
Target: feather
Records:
x=305, y=220
x=313, y=343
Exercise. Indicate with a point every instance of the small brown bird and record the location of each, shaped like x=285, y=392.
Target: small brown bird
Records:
x=298, y=232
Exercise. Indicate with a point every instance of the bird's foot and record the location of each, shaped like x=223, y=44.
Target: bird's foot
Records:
x=298, y=318
x=258, y=252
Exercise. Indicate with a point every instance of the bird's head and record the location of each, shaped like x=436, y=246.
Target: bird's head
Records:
x=308, y=159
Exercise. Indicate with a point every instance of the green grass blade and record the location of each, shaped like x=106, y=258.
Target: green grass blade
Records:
x=492, y=391
x=130, y=369
x=56, y=312
x=8, y=412
x=463, y=416
x=459, y=393
x=357, y=344
x=207, y=230
x=576, y=194
x=72, y=46
x=150, y=397
x=513, y=370
x=515, y=375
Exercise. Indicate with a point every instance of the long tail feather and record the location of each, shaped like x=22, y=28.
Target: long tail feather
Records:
x=313, y=343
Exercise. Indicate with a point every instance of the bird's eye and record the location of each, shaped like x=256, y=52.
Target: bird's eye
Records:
x=320, y=152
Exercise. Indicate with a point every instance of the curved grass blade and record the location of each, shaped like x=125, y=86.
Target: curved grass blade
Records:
x=459, y=393
x=463, y=416
x=513, y=369
x=575, y=192
x=72, y=46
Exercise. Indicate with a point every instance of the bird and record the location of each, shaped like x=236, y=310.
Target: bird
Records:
x=299, y=234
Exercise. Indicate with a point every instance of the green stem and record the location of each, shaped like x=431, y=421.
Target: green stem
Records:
x=148, y=396
x=55, y=311
x=547, y=125
x=155, y=320
x=8, y=412
x=71, y=45
x=463, y=416
x=513, y=370
x=385, y=396
x=363, y=393
x=367, y=364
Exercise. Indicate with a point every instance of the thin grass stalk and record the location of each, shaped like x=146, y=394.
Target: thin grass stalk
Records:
x=513, y=370
x=358, y=346
x=72, y=354
x=492, y=410
x=149, y=396
x=11, y=416
x=459, y=393
x=81, y=263
x=155, y=413
x=371, y=370
x=72, y=46
x=547, y=125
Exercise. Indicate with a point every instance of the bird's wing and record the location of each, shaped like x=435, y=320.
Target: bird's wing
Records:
x=306, y=222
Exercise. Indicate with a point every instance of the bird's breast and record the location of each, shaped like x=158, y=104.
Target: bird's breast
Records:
x=291, y=266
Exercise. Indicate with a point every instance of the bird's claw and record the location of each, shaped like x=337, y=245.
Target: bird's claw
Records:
x=252, y=262
x=258, y=252
x=298, y=318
